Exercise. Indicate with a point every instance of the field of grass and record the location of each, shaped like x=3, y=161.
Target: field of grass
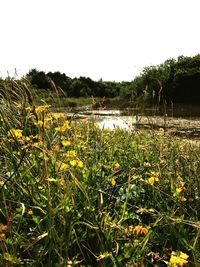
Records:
x=74, y=195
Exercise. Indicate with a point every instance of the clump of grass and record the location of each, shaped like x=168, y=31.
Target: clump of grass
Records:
x=74, y=195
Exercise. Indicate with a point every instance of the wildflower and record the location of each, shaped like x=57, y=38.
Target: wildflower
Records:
x=139, y=230
x=146, y=164
x=19, y=106
x=39, y=123
x=152, y=180
x=178, y=259
x=30, y=212
x=44, y=122
x=117, y=166
x=38, y=144
x=73, y=162
x=161, y=129
x=66, y=143
x=16, y=133
x=179, y=190
x=70, y=154
x=63, y=167
x=27, y=138
x=63, y=127
x=40, y=109
x=58, y=116
x=79, y=163
x=76, y=162
x=113, y=182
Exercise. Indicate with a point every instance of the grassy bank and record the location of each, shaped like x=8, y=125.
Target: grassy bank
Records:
x=74, y=195
x=58, y=99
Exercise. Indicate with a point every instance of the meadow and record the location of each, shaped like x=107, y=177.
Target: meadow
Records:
x=72, y=194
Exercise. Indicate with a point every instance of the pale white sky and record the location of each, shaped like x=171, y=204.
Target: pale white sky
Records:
x=108, y=39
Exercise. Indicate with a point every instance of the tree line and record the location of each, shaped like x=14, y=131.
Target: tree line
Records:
x=76, y=87
x=175, y=80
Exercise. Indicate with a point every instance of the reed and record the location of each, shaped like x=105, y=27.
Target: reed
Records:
x=74, y=195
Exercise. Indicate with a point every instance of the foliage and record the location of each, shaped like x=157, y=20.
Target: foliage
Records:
x=74, y=195
x=174, y=81
x=77, y=87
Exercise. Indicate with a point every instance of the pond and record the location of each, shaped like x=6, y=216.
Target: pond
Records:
x=188, y=126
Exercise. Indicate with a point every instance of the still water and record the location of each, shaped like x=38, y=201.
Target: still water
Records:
x=187, y=126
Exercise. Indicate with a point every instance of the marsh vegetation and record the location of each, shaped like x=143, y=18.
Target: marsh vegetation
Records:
x=72, y=194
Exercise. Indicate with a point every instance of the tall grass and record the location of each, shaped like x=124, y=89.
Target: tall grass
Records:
x=74, y=195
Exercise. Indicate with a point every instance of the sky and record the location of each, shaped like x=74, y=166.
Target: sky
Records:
x=101, y=39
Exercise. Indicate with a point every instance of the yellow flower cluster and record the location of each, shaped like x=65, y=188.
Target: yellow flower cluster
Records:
x=178, y=259
x=70, y=154
x=40, y=109
x=153, y=179
x=58, y=116
x=44, y=123
x=63, y=167
x=76, y=162
x=15, y=133
x=62, y=128
x=66, y=143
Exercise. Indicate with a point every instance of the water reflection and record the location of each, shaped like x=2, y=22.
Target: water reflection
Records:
x=113, y=119
x=119, y=122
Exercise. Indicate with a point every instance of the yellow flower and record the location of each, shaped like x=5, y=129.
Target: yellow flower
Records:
x=117, y=166
x=79, y=163
x=19, y=106
x=38, y=144
x=39, y=123
x=30, y=212
x=44, y=122
x=184, y=255
x=73, y=162
x=63, y=127
x=70, y=154
x=76, y=162
x=27, y=138
x=178, y=259
x=113, y=181
x=146, y=164
x=179, y=190
x=63, y=167
x=17, y=133
x=40, y=109
x=154, y=178
x=138, y=230
x=66, y=143
x=151, y=180
x=58, y=116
